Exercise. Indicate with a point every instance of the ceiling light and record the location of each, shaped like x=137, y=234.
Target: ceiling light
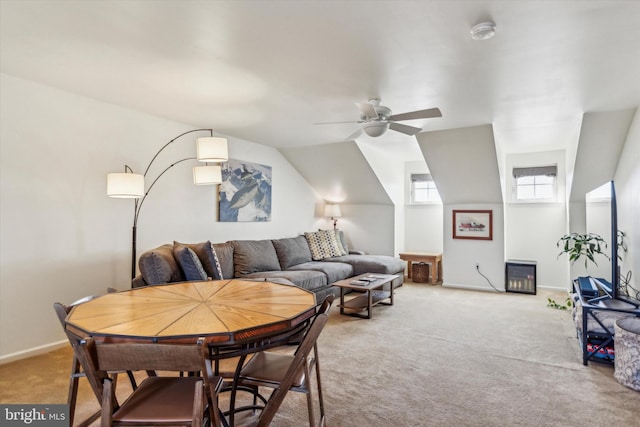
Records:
x=375, y=128
x=483, y=31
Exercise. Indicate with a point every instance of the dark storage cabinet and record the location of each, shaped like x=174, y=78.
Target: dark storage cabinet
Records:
x=520, y=276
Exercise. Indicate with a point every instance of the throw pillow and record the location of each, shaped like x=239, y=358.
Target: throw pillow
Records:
x=342, y=242
x=189, y=263
x=323, y=244
x=204, y=251
x=218, y=271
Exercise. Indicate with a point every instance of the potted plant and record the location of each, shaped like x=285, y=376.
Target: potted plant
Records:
x=578, y=245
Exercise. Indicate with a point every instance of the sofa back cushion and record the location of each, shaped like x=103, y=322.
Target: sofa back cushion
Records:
x=292, y=251
x=224, y=251
x=158, y=266
x=250, y=256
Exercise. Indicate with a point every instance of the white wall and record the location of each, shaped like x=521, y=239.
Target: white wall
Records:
x=533, y=229
x=627, y=181
x=460, y=256
x=63, y=238
x=423, y=223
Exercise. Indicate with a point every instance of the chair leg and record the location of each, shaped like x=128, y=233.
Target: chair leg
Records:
x=319, y=384
x=307, y=381
x=73, y=388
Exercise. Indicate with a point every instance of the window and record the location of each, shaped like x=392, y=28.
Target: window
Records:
x=423, y=189
x=535, y=183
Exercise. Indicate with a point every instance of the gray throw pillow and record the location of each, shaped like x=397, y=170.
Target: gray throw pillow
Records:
x=189, y=263
x=224, y=252
x=205, y=253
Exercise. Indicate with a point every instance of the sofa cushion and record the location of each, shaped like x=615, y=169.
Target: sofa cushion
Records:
x=381, y=264
x=205, y=253
x=333, y=270
x=189, y=263
x=158, y=266
x=292, y=251
x=224, y=252
x=323, y=244
x=306, y=279
x=250, y=256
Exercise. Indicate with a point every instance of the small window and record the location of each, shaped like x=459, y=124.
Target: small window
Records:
x=535, y=183
x=423, y=189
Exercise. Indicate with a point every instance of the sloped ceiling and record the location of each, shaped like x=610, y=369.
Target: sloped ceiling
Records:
x=463, y=164
x=338, y=172
x=602, y=139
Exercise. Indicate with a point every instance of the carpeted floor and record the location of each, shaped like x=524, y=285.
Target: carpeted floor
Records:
x=438, y=357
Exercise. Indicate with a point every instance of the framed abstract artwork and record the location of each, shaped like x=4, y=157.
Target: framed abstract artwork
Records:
x=473, y=224
x=245, y=192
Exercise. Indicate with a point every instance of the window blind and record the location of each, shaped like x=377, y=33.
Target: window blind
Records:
x=535, y=171
x=421, y=177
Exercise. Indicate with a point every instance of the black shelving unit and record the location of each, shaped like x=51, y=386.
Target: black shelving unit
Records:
x=520, y=276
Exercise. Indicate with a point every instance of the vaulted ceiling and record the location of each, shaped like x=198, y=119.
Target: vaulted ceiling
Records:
x=265, y=71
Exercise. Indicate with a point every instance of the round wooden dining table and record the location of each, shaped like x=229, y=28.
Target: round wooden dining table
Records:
x=226, y=312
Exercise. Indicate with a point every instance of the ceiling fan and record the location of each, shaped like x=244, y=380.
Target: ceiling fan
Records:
x=375, y=119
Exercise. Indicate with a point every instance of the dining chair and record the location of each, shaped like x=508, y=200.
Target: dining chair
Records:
x=288, y=372
x=164, y=399
x=77, y=371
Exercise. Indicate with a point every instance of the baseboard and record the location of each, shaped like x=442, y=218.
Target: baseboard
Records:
x=471, y=287
x=33, y=352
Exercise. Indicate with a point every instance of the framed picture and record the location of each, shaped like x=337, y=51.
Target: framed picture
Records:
x=245, y=192
x=476, y=225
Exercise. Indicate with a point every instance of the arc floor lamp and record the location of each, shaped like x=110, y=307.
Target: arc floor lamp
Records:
x=130, y=185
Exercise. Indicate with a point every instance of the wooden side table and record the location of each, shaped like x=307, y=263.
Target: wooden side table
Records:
x=432, y=258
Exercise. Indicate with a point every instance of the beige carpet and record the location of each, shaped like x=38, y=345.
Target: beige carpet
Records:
x=438, y=357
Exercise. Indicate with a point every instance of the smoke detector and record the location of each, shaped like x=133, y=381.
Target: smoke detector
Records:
x=483, y=31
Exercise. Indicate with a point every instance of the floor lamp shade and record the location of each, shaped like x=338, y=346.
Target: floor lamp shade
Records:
x=212, y=149
x=207, y=175
x=332, y=211
x=125, y=185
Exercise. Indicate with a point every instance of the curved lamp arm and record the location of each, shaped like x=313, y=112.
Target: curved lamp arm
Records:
x=146, y=193
x=169, y=143
x=138, y=202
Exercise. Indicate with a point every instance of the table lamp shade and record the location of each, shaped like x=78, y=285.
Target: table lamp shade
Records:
x=332, y=211
x=207, y=175
x=125, y=185
x=212, y=149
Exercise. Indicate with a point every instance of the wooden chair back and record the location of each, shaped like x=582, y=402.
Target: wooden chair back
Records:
x=103, y=357
x=77, y=370
x=298, y=363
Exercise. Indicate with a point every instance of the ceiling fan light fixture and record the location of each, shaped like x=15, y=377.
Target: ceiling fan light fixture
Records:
x=483, y=31
x=375, y=129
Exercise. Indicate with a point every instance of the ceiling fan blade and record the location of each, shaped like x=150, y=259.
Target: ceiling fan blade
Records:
x=334, y=123
x=367, y=109
x=407, y=130
x=421, y=114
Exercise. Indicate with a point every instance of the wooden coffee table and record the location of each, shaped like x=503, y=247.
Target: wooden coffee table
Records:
x=374, y=293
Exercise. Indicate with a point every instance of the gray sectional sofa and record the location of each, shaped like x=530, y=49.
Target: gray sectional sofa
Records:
x=288, y=259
